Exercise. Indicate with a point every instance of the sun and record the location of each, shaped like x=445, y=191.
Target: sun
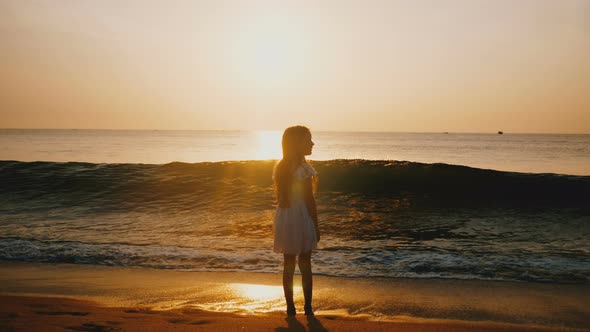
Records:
x=269, y=53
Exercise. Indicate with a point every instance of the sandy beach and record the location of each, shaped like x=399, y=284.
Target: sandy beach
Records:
x=54, y=297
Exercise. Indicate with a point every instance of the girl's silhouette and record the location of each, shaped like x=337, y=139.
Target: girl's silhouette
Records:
x=296, y=230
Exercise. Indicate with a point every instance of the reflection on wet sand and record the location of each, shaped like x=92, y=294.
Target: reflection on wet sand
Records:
x=249, y=298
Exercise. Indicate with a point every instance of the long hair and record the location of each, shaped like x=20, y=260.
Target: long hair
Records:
x=292, y=158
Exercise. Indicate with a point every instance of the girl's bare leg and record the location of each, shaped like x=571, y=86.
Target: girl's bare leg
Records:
x=306, y=280
x=288, y=271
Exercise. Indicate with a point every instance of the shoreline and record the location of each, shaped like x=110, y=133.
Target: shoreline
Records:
x=426, y=304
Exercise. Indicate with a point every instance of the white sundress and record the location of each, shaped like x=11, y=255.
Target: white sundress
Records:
x=294, y=229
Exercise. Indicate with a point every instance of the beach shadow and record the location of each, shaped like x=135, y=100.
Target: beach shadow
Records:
x=293, y=325
x=315, y=325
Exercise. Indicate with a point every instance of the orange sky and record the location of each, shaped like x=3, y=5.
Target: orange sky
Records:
x=457, y=66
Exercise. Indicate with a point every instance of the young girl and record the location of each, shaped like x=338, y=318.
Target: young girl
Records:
x=296, y=230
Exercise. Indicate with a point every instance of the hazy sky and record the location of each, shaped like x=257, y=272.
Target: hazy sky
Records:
x=462, y=65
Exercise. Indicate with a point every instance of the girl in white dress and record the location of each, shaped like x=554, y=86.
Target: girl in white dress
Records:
x=296, y=231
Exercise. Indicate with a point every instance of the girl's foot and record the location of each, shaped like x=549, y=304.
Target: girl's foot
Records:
x=291, y=311
x=308, y=310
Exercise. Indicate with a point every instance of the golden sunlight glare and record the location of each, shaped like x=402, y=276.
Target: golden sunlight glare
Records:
x=259, y=292
x=241, y=297
x=269, y=52
x=268, y=145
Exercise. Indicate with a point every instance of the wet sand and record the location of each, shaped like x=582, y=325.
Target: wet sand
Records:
x=46, y=297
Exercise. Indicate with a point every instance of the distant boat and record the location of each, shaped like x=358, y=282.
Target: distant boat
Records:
x=500, y=133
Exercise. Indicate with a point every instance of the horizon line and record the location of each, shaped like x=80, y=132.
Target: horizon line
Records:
x=334, y=131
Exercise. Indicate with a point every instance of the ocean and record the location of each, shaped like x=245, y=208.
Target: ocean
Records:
x=414, y=205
